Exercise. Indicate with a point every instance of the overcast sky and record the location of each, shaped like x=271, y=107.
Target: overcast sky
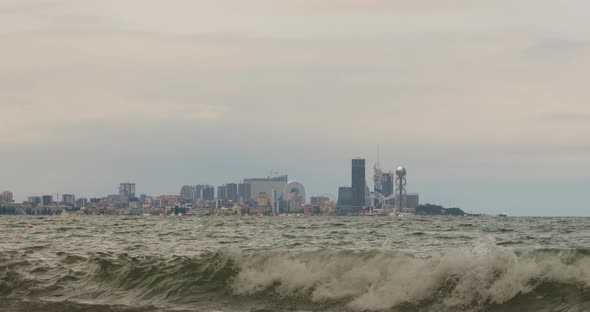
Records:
x=487, y=103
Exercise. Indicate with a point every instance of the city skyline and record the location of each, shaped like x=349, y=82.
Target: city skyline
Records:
x=479, y=100
x=272, y=195
x=228, y=190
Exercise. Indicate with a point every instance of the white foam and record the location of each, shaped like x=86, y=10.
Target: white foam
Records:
x=378, y=280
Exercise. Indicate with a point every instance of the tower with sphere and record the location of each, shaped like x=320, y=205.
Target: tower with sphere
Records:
x=400, y=188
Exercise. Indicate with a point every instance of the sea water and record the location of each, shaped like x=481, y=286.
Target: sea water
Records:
x=110, y=263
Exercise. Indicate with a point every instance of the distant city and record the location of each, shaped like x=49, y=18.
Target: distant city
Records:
x=272, y=195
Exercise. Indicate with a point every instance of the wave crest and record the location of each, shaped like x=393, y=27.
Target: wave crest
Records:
x=485, y=274
x=477, y=277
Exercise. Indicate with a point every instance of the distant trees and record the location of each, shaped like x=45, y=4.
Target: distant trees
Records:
x=437, y=210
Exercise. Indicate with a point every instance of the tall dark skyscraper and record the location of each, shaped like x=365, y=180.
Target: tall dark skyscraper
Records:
x=387, y=184
x=359, y=183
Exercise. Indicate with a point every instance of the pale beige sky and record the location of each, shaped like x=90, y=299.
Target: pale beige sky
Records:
x=337, y=77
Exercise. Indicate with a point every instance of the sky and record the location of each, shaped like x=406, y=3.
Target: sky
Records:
x=486, y=103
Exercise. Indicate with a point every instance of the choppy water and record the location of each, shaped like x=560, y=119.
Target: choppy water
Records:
x=294, y=264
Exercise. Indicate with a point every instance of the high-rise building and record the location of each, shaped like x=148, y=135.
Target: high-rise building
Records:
x=387, y=188
x=126, y=192
x=81, y=202
x=387, y=184
x=208, y=193
x=34, y=200
x=46, y=200
x=187, y=193
x=359, y=183
x=222, y=192
x=244, y=192
x=355, y=198
x=232, y=192
x=6, y=197
x=199, y=192
x=68, y=199
x=127, y=189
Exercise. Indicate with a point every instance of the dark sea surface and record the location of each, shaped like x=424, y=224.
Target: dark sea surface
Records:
x=294, y=264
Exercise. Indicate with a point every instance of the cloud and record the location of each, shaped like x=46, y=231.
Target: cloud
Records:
x=474, y=92
x=386, y=84
x=567, y=117
x=558, y=47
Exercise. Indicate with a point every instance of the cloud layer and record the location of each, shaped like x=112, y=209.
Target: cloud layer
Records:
x=477, y=91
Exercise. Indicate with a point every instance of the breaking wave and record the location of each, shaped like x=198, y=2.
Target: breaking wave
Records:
x=481, y=277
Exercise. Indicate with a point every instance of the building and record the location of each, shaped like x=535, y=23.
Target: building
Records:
x=410, y=203
x=232, y=192
x=355, y=198
x=412, y=200
x=359, y=183
x=262, y=200
x=244, y=192
x=46, y=200
x=199, y=192
x=222, y=192
x=207, y=193
x=34, y=200
x=127, y=189
x=324, y=204
x=344, y=205
x=6, y=197
x=169, y=200
x=387, y=184
x=81, y=202
x=187, y=193
x=68, y=199
x=126, y=193
x=267, y=186
x=385, y=190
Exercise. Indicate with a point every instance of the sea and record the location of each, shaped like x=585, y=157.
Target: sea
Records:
x=227, y=264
